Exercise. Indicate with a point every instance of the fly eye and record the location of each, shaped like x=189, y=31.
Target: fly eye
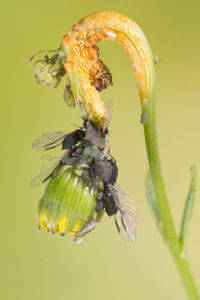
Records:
x=106, y=131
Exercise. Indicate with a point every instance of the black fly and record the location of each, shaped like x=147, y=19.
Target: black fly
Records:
x=72, y=139
x=68, y=141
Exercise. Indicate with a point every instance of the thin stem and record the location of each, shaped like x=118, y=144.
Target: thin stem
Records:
x=186, y=276
x=166, y=227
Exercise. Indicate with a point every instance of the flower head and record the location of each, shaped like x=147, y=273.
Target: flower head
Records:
x=68, y=202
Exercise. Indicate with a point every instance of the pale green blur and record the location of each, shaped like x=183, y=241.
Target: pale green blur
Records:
x=40, y=266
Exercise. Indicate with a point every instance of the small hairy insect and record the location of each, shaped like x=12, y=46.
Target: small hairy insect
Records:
x=72, y=139
x=101, y=170
x=144, y=117
x=93, y=135
x=116, y=202
x=68, y=141
x=105, y=170
x=109, y=202
x=84, y=151
x=50, y=141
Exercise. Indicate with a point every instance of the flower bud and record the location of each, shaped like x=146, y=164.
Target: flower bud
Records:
x=68, y=203
x=47, y=73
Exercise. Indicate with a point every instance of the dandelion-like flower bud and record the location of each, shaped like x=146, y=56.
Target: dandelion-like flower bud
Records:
x=69, y=202
x=46, y=74
x=49, y=71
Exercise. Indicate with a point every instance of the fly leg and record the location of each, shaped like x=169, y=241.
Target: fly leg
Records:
x=87, y=228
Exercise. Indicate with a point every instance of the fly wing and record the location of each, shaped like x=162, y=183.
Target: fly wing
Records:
x=49, y=140
x=46, y=170
x=125, y=218
x=108, y=114
x=93, y=135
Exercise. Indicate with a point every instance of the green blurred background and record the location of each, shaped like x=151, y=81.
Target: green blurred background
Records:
x=40, y=266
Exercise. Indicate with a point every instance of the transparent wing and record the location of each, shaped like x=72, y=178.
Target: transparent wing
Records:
x=93, y=135
x=108, y=114
x=46, y=170
x=49, y=140
x=125, y=218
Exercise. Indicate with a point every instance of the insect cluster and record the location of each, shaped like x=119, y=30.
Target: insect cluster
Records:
x=82, y=179
x=86, y=150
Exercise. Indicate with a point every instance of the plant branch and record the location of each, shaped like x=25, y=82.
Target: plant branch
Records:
x=113, y=26
x=79, y=54
x=116, y=27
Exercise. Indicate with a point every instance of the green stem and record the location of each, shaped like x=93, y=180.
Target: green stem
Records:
x=166, y=227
